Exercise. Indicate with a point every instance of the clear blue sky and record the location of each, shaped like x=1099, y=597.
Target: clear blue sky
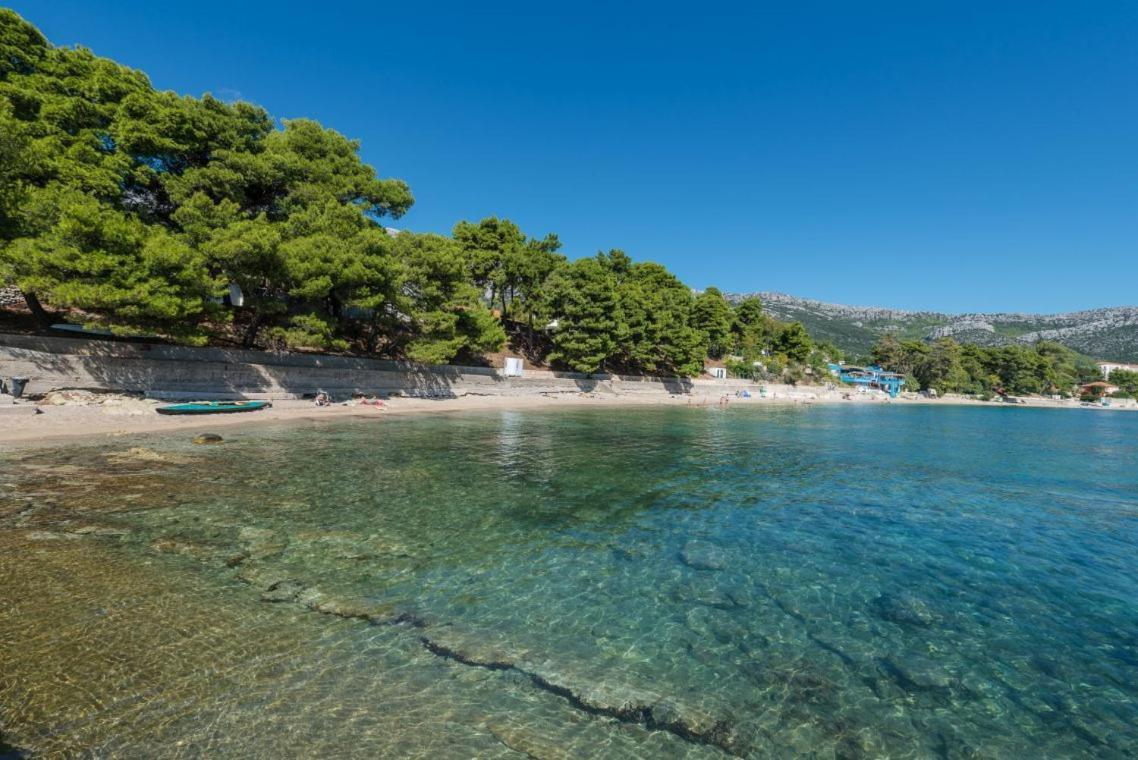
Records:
x=948, y=156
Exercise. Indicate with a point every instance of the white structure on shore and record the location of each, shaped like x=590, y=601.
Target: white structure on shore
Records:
x=1108, y=367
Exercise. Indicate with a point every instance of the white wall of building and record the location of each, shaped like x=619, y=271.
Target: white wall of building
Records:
x=1108, y=367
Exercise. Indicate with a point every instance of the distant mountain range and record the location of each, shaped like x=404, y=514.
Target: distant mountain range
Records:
x=1110, y=333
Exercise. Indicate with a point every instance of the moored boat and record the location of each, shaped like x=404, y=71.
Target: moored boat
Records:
x=213, y=407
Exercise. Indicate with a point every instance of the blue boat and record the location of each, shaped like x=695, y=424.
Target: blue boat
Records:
x=213, y=407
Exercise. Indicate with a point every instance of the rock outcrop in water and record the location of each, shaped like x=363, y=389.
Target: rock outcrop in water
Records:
x=625, y=704
x=588, y=693
x=703, y=555
x=917, y=673
x=904, y=609
x=142, y=454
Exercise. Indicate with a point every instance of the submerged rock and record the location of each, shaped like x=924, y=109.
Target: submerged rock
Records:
x=592, y=693
x=351, y=607
x=282, y=591
x=904, y=609
x=233, y=560
x=208, y=438
x=706, y=594
x=140, y=454
x=100, y=530
x=915, y=673
x=261, y=543
x=339, y=606
x=47, y=535
x=171, y=545
x=703, y=555
x=259, y=576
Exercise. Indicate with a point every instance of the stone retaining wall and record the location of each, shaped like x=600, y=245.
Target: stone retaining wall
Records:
x=10, y=296
x=182, y=372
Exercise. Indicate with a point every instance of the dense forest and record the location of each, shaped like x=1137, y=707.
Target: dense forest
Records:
x=202, y=221
x=949, y=367
x=138, y=210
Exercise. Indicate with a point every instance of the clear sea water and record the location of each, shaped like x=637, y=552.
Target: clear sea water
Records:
x=659, y=582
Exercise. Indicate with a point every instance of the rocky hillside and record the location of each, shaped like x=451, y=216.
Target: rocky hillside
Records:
x=1110, y=333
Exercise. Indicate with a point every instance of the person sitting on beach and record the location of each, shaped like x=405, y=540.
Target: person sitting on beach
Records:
x=323, y=399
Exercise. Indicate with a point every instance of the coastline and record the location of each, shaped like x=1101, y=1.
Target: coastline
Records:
x=63, y=423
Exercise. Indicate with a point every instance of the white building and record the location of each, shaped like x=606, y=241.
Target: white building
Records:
x=1108, y=367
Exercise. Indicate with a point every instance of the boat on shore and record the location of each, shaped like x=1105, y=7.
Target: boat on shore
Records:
x=214, y=407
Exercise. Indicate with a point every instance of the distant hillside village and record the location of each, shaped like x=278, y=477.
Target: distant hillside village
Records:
x=133, y=213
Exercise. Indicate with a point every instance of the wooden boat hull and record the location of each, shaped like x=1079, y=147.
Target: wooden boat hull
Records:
x=214, y=407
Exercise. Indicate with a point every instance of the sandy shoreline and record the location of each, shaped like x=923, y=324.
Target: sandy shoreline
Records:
x=69, y=422
x=62, y=423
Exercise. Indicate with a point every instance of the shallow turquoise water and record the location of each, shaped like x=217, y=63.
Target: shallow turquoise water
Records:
x=900, y=581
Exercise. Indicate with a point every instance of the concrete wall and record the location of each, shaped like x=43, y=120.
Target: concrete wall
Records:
x=181, y=372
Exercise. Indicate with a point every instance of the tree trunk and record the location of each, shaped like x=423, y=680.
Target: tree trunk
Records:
x=250, y=336
x=42, y=317
x=373, y=336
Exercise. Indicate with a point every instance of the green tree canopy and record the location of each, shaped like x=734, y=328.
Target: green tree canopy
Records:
x=95, y=258
x=794, y=342
x=946, y=366
x=750, y=326
x=590, y=324
x=141, y=210
x=890, y=354
x=749, y=311
x=941, y=368
x=137, y=207
x=656, y=308
x=64, y=233
x=712, y=316
x=1126, y=380
x=441, y=308
x=509, y=267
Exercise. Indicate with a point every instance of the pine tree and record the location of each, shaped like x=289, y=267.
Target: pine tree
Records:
x=590, y=324
x=711, y=315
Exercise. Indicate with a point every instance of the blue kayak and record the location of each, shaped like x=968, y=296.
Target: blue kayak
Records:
x=213, y=407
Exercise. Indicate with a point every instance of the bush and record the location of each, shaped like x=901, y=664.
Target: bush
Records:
x=742, y=369
x=794, y=374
